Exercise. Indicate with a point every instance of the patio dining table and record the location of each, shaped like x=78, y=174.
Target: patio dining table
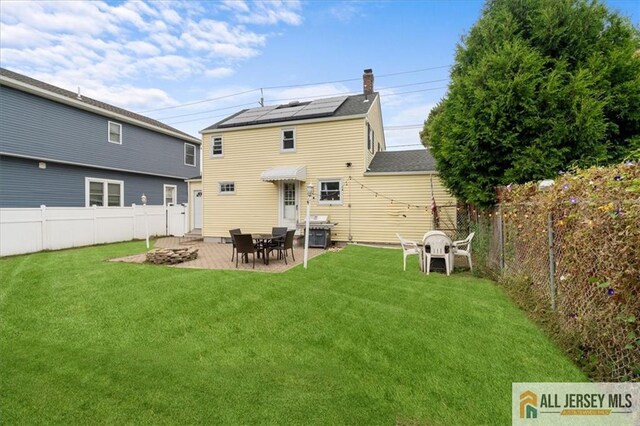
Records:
x=264, y=241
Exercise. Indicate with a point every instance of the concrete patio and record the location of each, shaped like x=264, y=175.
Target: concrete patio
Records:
x=218, y=256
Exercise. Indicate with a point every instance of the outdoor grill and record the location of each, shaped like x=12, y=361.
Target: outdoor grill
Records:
x=319, y=230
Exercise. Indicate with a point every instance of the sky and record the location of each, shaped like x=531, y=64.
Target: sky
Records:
x=190, y=64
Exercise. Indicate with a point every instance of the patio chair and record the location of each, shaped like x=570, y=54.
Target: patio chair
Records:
x=232, y=233
x=463, y=248
x=276, y=231
x=408, y=248
x=279, y=230
x=285, y=244
x=244, y=245
x=437, y=246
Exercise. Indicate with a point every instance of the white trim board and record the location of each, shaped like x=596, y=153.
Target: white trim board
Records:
x=92, y=166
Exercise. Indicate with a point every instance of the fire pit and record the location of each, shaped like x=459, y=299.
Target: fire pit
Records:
x=171, y=256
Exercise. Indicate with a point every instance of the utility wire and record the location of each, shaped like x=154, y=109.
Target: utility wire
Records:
x=312, y=97
x=201, y=101
x=204, y=112
x=291, y=86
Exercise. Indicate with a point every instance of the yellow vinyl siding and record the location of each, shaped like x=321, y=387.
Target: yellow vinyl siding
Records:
x=374, y=117
x=377, y=219
x=324, y=148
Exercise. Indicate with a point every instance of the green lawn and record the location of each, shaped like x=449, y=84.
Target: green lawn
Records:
x=353, y=340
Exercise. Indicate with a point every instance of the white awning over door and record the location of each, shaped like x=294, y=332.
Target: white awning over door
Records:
x=285, y=173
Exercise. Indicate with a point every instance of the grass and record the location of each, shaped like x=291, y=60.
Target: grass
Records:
x=352, y=340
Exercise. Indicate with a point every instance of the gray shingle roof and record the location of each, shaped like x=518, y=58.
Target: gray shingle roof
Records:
x=417, y=160
x=353, y=105
x=89, y=101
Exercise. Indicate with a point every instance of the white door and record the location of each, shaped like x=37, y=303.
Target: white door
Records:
x=197, y=209
x=289, y=204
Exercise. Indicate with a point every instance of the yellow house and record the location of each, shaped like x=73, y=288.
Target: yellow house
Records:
x=258, y=163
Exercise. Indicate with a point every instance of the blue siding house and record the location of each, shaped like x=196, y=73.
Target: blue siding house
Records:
x=61, y=149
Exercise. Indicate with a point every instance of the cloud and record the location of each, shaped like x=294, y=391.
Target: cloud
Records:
x=143, y=48
x=265, y=12
x=23, y=36
x=132, y=98
x=345, y=11
x=219, y=72
x=99, y=44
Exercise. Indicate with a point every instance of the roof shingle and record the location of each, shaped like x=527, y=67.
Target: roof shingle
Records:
x=416, y=160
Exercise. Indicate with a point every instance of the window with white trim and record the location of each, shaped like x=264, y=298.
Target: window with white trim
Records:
x=288, y=140
x=189, y=154
x=330, y=191
x=104, y=192
x=170, y=194
x=227, y=188
x=115, y=133
x=370, y=138
x=216, y=146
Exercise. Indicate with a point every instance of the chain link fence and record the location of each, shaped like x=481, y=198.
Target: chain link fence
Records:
x=571, y=258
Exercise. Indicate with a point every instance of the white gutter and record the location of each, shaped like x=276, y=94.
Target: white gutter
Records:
x=43, y=93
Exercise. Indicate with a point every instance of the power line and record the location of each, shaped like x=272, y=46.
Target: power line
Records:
x=355, y=79
x=414, y=84
x=403, y=126
x=292, y=86
x=201, y=101
x=315, y=97
x=204, y=112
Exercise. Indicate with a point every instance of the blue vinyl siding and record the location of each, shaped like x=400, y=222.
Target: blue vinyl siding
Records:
x=42, y=128
x=24, y=184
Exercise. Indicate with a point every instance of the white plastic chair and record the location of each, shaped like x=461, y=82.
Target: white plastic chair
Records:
x=463, y=248
x=408, y=248
x=438, y=245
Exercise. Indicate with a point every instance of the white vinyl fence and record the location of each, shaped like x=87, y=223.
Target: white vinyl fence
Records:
x=28, y=230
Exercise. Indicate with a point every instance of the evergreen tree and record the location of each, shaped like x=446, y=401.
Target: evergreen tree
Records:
x=538, y=86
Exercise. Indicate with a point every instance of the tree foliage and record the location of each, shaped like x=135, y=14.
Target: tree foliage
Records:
x=538, y=86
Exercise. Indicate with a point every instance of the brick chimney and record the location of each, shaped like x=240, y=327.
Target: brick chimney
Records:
x=367, y=82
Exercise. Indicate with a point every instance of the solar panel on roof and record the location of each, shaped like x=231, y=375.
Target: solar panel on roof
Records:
x=282, y=113
x=320, y=107
x=249, y=115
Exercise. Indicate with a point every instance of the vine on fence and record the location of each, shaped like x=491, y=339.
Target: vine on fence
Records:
x=594, y=218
